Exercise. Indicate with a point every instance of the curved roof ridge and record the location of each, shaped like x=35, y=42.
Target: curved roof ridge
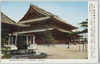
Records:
x=56, y=17
x=6, y=19
x=44, y=12
x=40, y=10
x=33, y=20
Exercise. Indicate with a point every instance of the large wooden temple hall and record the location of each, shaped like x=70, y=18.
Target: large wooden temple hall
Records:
x=34, y=21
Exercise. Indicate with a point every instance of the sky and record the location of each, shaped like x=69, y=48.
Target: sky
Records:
x=73, y=12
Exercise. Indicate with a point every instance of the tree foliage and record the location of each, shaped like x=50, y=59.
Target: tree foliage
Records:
x=4, y=35
x=84, y=24
x=4, y=38
x=5, y=54
x=48, y=38
x=21, y=42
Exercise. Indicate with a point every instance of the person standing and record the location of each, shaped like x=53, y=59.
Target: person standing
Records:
x=69, y=45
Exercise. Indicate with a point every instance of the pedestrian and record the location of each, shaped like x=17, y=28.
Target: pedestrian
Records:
x=68, y=46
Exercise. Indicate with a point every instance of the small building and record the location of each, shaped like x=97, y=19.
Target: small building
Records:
x=11, y=27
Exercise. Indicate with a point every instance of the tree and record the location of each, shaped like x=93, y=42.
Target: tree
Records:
x=48, y=38
x=5, y=54
x=84, y=24
x=21, y=42
x=72, y=34
x=4, y=38
x=4, y=35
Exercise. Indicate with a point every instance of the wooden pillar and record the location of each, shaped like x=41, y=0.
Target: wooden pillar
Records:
x=74, y=39
x=12, y=40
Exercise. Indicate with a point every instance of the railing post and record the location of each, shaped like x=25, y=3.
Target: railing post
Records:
x=27, y=40
x=33, y=42
x=9, y=40
x=16, y=40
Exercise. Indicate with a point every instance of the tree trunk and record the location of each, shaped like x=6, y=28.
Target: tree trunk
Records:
x=79, y=44
x=83, y=43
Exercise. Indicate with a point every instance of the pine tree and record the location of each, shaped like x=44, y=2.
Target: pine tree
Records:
x=48, y=38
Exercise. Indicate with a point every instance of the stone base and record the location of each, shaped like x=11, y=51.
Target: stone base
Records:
x=32, y=47
x=13, y=47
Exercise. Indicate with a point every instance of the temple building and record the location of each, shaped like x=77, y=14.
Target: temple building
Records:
x=37, y=18
x=34, y=22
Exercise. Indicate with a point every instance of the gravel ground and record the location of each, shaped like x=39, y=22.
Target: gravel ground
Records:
x=62, y=51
